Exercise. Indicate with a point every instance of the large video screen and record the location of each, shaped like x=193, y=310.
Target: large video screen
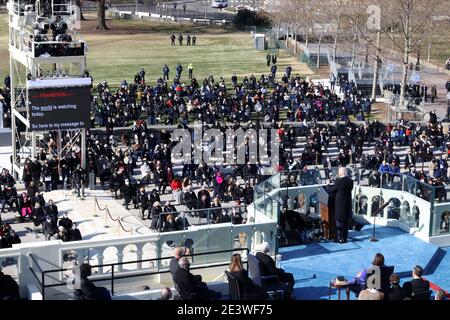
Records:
x=59, y=108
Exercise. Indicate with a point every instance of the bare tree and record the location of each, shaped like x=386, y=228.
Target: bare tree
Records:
x=101, y=15
x=320, y=28
x=78, y=3
x=367, y=25
x=333, y=10
x=294, y=15
x=411, y=21
x=303, y=21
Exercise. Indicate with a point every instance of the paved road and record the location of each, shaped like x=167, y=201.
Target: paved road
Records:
x=196, y=9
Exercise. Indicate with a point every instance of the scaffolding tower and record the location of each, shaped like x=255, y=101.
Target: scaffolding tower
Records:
x=43, y=45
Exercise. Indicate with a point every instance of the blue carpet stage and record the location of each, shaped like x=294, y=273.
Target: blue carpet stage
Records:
x=314, y=265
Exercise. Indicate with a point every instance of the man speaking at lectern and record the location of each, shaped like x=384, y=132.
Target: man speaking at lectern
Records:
x=343, y=204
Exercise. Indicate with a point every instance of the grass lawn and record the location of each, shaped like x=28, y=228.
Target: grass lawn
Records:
x=4, y=53
x=440, y=49
x=130, y=45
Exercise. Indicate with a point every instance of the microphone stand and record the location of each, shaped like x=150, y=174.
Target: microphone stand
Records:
x=373, y=239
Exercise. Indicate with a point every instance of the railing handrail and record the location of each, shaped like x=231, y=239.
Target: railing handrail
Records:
x=35, y=261
x=57, y=42
x=98, y=204
x=126, y=276
x=404, y=175
x=110, y=216
x=112, y=277
x=436, y=288
x=205, y=209
x=149, y=260
x=108, y=213
x=170, y=212
x=121, y=225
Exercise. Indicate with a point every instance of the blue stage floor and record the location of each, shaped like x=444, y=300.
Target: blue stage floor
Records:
x=314, y=265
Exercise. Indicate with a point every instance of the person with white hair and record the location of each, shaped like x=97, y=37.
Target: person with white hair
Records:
x=189, y=286
x=165, y=294
x=145, y=172
x=156, y=216
x=269, y=268
x=342, y=188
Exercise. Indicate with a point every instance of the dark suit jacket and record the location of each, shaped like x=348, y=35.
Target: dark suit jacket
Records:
x=396, y=293
x=187, y=285
x=249, y=290
x=343, y=203
x=52, y=210
x=75, y=235
x=416, y=286
x=243, y=278
x=173, y=267
x=268, y=265
x=90, y=291
x=9, y=289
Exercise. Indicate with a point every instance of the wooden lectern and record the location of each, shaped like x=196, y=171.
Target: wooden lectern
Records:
x=326, y=209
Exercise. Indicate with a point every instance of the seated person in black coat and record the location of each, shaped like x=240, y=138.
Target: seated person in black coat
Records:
x=9, y=289
x=269, y=268
x=248, y=290
x=48, y=227
x=154, y=215
x=173, y=266
x=191, y=287
x=417, y=285
x=222, y=217
x=182, y=222
x=396, y=292
x=51, y=209
x=170, y=224
x=74, y=233
x=10, y=238
x=86, y=290
x=65, y=222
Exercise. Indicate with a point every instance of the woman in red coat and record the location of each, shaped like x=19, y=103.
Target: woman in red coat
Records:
x=176, y=186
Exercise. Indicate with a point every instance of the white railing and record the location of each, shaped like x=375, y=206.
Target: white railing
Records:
x=416, y=215
x=54, y=254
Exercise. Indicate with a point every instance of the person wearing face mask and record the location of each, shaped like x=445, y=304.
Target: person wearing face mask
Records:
x=74, y=233
x=154, y=215
x=192, y=287
x=128, y=192
x=79, y=177
x=51, y=209
x=142, y=200
x=48, y=228
x=65, y=222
